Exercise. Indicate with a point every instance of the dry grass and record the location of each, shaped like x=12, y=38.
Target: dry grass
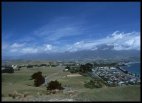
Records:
x=74, y=84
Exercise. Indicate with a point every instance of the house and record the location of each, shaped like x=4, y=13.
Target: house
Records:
x=112, y=68
x=101, y=67
x=121, y=83
x=109, y=83
x=15, y=67
x=66, y=70
x=106, y=67
x=138, y=81
x=132, y=81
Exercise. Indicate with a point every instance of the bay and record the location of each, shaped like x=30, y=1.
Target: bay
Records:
x=134, y=68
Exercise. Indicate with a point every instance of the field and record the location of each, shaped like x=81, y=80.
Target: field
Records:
x=19, y=82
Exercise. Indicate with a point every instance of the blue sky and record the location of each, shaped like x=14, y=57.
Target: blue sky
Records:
x=30, y=27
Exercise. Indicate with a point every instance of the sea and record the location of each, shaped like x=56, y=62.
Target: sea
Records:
x=134, y=68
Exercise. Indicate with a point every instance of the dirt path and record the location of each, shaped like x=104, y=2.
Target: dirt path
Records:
x=74, y=75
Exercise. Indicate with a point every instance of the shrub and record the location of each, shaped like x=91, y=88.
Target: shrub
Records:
x=43, y=64
x=86, y=68
x=8, y=70
x=53, y=65
x=38, y=78
x=30, y=66
x=67, y=67
x=52, y=85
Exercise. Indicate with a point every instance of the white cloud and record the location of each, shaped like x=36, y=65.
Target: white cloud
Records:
x=26, y=49
x=17, y=45
x=29, y=50
x=120, y=41
x=116, y=41
x=82, y=45
x=58, y=33
x=48, y=48
x=57, y=29
x=116, y=35
x=130, y=42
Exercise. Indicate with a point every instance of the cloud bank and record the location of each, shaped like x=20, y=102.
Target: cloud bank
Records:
x=117, y=41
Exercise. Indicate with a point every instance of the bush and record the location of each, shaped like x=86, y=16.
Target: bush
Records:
x=67, y=67
x=38, y=79
x=30, y=66
x=53, y=65
x=8, y=70
x=86, y=68
x=43, y=64
x=52, y=85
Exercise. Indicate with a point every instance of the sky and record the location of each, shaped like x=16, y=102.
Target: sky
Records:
x=47, y=27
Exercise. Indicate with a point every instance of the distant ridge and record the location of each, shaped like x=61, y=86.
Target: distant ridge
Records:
x=80, y=55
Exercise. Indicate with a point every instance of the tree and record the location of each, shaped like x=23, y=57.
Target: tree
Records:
x=8, y=70
x=82, y=68
x=67, y=67
x=52, y=85
x=86, y=68
x=30, y=66
x=88, y=65
x=43, y=64
x=95, y=64
x=38, y=78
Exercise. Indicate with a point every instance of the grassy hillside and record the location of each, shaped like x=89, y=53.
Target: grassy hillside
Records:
x=129, y=93
x=21, y=83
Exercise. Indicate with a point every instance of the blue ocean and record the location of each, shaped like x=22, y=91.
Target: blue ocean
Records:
x=134, y=68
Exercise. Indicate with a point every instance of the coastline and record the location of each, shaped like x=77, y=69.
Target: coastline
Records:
x=129, y=63
x=133, y=67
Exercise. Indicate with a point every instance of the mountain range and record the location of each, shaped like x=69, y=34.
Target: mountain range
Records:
x=100, y=53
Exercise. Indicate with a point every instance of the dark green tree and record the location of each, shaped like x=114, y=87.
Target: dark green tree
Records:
x=38, y=78
x=86, y=68
x=8, y=70
x=67, y=67
x=52, y=85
